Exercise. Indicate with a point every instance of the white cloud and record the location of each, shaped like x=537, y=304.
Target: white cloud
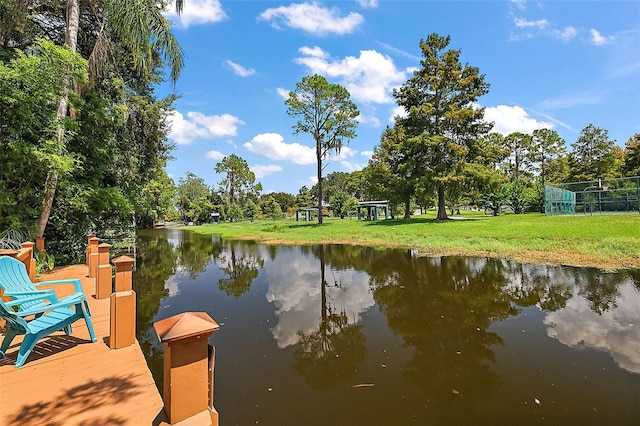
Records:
x=523, y=23
x=568, y=34
x=367, y=154
x=366, y=4
x=273, y=146
x=520, y=4
x=196, y=12
x=215, y=155
x=351, y=166
x=183, y=131
x=283, y=93
x=521, y=37
x=312, y=18
x=513, y=119
x=216, y=125
x=345, y=152
x=598, y=39
x=199, y=126
x=368, y=119
x=369, y=78
x=240, y=70
x=343, y=158
x=262, y=171
x=314, y=51
x=526, y=30
x=398, y=111
x=313, y=180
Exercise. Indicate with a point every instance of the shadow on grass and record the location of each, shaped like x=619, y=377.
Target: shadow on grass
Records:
x=298, y=225
x=412, y=221
x=382, y=222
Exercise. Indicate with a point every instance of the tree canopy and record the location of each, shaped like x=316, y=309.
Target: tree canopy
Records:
x=82, y=155
x=442, y=118
x=327, y=114
x=239, y=182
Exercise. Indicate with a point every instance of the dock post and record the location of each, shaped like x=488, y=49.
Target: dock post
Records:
x=30, y=261
x=40, y=246
x=123, y=305
x=188, y=375
x=93, y=256
x=103, y=272
x=87, y=251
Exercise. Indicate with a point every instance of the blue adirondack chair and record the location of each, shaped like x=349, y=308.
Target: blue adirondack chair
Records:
x=15, y=282
x=34, y=312
x=46, y=319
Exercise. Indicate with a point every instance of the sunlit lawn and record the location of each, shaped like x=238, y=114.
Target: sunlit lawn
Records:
x=606, y=241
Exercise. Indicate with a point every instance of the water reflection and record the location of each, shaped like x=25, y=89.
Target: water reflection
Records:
x=332, y=353
x=443, y=308
x=440, y=340
x=302, y=294
x=615, y=331
x=241, y=266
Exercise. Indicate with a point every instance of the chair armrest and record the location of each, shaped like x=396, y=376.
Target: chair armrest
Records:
x=45, y=307
x=74, y=281
x=16, y=302
x=28, y=296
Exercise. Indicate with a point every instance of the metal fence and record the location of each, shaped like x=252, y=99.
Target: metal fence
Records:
x=591, y=197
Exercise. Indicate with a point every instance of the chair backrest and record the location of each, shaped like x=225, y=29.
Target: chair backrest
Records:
x=14, y=277
x=14, y=321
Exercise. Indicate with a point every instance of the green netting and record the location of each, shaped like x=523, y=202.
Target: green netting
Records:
x=591, y=197
x=559, y=201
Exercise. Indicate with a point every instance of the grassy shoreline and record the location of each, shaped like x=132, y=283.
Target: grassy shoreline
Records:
x=609, y=242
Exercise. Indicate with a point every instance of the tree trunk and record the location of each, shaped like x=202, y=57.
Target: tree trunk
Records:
x=71, y=40
x=323, y=287
x=407, y=208
x=319, y=157
x=442, y=208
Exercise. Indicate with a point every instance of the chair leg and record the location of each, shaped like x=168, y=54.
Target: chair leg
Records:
x=27, y=345
x=87, y=319
x=6, y=342
x=86, y=305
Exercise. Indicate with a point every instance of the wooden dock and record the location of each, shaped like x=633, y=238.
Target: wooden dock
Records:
x=67, y=380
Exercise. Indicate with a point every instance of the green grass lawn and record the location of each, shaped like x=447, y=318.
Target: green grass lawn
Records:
x=605, y=241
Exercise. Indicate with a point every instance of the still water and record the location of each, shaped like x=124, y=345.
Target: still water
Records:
x=344, y=335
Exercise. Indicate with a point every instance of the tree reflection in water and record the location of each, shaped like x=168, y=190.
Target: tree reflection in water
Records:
x=161, y=253
x=333, y=353
x=241, y=266
x=443, y=308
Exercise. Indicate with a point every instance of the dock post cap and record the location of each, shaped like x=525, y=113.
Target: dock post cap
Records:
x=123, y=260
x=185, y=325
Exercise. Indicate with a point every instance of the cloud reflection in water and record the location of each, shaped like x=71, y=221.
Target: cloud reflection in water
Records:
x=295, y=290
x=616, y=331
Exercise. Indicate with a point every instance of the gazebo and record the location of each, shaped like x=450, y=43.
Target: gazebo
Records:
x=372, y=209
x=307, y=212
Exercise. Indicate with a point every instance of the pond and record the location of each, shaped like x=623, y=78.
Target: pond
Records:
x=346, y=335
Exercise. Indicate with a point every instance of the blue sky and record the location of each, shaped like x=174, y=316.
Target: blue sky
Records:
x=552, y=64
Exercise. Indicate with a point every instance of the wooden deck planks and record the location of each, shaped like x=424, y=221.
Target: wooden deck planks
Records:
x=68, y=380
